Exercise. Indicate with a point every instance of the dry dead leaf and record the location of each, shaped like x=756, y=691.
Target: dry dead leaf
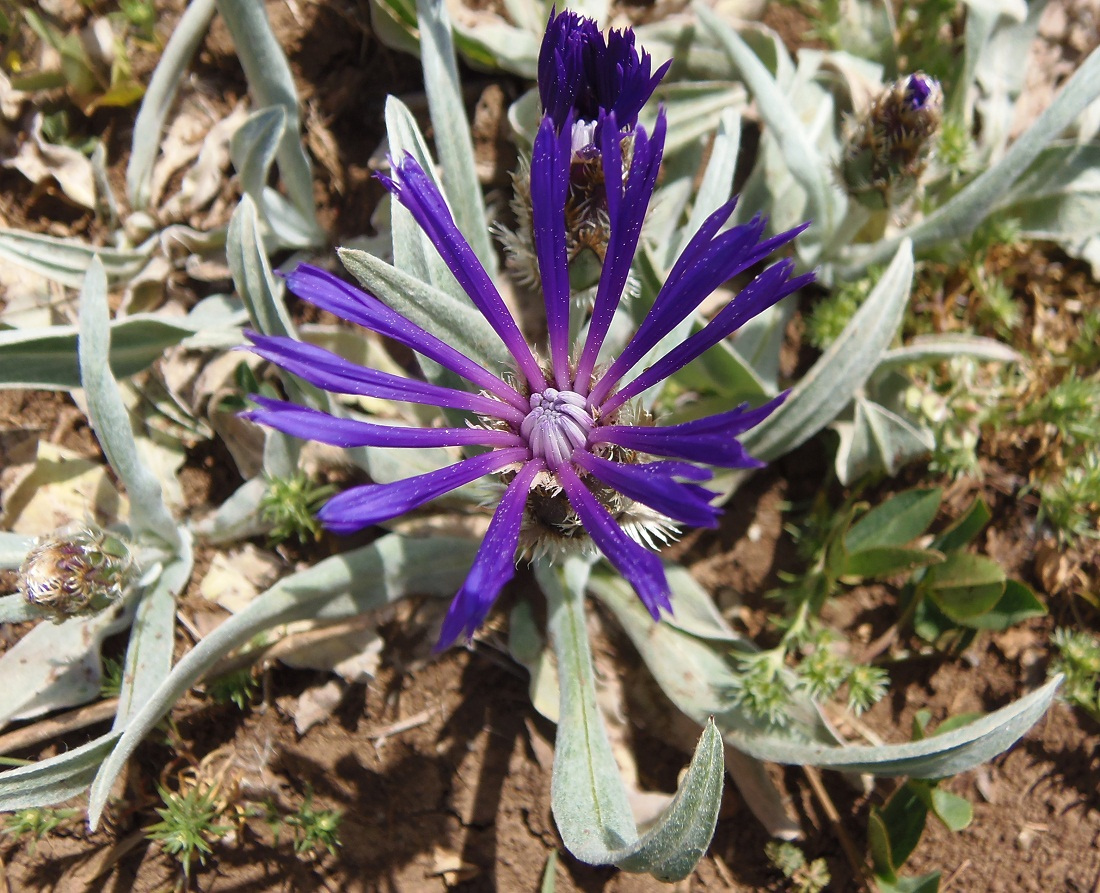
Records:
x=61, y=487
x=40, y=161
x=355, y=656
x=236, y=577
x=448, y=864
x=316, y=704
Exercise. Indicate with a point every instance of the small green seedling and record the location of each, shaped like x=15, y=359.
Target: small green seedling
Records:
x=805, y=877
x=1079, y=660
x=189, y=823
x=895, y=830
x=37, y=823
x=290, y=506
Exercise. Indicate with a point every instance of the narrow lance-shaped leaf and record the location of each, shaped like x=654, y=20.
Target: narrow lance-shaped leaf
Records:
x=46, y=357
x=56, y=779
x=842, y=370
x=159, y=96
x=13, y=549
x=149, y=652
x=66, y=260
x=806, y=165
x=587, y=794
x=455, y=146
x=270, y=79
x=338, y=587
x=111, y=421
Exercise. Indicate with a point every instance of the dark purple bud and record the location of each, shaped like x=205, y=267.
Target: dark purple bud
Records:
x=583, y=71
x=918, y=89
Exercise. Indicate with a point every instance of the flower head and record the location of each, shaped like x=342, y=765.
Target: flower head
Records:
x=582, y=466
x=78, y=570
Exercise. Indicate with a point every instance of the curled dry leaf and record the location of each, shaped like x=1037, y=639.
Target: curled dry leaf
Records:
x=40, y=161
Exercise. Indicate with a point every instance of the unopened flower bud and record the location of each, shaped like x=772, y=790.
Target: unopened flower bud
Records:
x=78, y=570
x=890, y=145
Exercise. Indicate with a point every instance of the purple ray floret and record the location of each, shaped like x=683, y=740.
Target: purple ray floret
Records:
x=557, y=427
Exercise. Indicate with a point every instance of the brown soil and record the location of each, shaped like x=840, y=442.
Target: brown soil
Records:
x=441, y=767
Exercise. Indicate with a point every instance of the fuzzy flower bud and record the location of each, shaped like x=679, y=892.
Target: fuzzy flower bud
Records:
x=77, y=570
x=890, y=145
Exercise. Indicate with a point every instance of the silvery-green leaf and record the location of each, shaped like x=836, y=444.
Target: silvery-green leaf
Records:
x=339, y=587
x=549, y=873
x=455, y=145
x=808, y=168
x=56, y=779
x=498, y=45
x=695, y=611
x=999, y=74
x=959, y=216
x=694, y=110
x=758, y=342
x=394, y=23
x=699, y=54
x=458, y=324
x=15, y=609
x=413, y=252
x=878, y=440
x=698, y=674
x=1059, y=196
x=528, y=16
x=760, y=794
x=253, y=149
x=717, y=183
x=66, y=260
x=936, y=348
x=109, y=418
x=46, y=357
x=238, y=517
x=587, y=795
x=261, y=292
x=530, y=650
x=937, y=757
x=159, y=96
x=55, y=665
x=254, y=146
x=13, y=549
x=270, y=79
x=149, y=652
x=842, y=370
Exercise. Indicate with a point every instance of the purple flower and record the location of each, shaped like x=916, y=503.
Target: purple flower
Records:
x=584, y=76
x=580, y=461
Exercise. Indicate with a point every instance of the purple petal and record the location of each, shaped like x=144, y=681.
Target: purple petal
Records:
x=495, y=562
x=370, y=504
x=767, y=289
x=328, y=371
x=654, y=485
x=550, y=162
x=641, y=568
x=712, y=440
x=626, y=229
x=312, y=424
x=331, y=293
x=704, y=265
x=415, y=190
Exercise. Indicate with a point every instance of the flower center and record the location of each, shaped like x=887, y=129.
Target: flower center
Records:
x=557, y=424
